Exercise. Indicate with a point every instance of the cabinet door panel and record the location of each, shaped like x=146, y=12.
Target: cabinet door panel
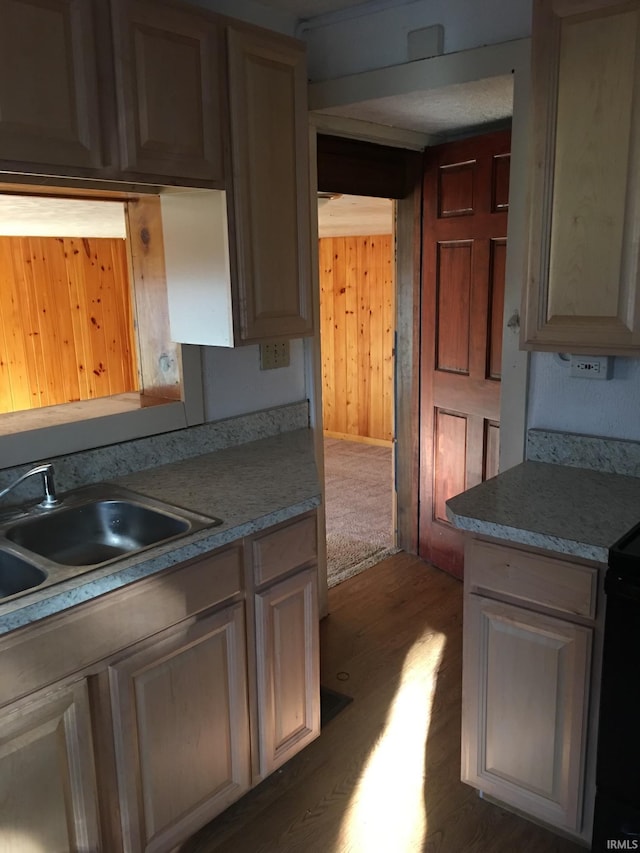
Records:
x=182, y=731
x=168, y=73
x=47, y=775
x=49, y=99
x=525, y=689
x=585, y=223
x=288, y=668
x=269, y=148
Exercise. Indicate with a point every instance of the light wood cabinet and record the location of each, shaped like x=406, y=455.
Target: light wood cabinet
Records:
x=582, y=288
x=283, y=563
x=48, y=789
x=270, y=185
x=169, y=77
x=180, y=713
x=527, y=683
x=288, y=668
x=50, y=102
x=147, y=105
x=130, y=721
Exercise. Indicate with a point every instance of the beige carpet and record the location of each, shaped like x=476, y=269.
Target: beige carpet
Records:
x=358, y=504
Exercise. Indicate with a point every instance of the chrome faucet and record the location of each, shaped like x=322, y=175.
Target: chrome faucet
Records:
x=49, y=500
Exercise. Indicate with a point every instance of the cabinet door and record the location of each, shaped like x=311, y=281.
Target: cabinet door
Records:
x=582, y=290
x=287, y=643
x=270, y=165
x=180, y=712
x=49, y=99
x=47, y=776
x=168, y=82
x=525, y=689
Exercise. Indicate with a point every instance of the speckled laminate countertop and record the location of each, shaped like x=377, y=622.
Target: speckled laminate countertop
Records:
x=565, y=509
x=251, y=487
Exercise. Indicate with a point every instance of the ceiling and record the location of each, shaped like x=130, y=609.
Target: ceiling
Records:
x=38, y=216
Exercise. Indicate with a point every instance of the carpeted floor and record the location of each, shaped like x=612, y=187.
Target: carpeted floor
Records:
x=358, y=504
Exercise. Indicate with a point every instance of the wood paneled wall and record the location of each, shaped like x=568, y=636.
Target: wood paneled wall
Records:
x=66, y=321
x=357, y=327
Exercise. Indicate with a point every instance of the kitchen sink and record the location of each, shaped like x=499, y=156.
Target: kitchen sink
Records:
x=17, y=575
x=92, y=526
x=96, y=532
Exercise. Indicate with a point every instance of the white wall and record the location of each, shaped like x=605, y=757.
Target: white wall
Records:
x=235, y=385
x=590, y=406
x=347, y=44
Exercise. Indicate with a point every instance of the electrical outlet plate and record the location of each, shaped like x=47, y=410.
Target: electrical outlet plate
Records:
x=273, y=356
x=591, y=366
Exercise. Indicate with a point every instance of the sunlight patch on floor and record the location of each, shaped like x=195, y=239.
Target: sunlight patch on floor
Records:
x=20, y=842
x=387, y=810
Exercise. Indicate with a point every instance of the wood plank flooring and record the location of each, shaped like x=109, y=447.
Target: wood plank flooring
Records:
x=384, y=775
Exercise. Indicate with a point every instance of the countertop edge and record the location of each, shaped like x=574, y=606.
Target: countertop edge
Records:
x=532, y=538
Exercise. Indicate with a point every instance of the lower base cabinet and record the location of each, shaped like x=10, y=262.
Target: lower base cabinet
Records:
x=288, y=675
x=48, y=793
x=127, y=723
x=527, y=683
x=182, y=729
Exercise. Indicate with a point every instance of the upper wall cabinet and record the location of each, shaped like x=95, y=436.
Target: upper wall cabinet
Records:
x=145, y=106
x=270, y=184
x=168, y=64
x=582, y=288
x=50, y=116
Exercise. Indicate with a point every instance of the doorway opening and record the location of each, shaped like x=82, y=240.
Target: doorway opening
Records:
x=357, y=327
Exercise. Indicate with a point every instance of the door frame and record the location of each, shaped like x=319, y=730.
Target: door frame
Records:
x=505, y=58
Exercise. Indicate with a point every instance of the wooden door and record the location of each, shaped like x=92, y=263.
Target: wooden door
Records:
x=50, y=119
x=466, y=192
x=47, y=774
x=180, y=712
x=168, y=63
x=270, y=176
x=525, y=695
x=287, y=652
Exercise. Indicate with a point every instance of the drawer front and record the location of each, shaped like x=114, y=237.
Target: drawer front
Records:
x=285, y=549
x=532, y=578
x=70, y=641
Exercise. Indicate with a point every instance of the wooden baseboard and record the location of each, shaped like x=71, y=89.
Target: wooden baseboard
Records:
x=363, y=439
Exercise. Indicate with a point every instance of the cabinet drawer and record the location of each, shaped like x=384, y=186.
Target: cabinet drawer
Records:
x=284, y=549
x=532, y=578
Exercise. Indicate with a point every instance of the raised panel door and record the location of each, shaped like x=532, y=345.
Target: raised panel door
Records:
x=287, y=656
x=466, y=200
x=47, y=775
x=180, y=712
x=50, y=104
x=168, y=64
x=582, y=287
x=525, y=694
x=270, y=177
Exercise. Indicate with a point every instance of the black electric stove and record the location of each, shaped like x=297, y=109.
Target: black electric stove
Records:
x=617, y=816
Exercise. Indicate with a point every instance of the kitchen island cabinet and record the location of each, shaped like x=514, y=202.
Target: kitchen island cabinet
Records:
x=529, y=625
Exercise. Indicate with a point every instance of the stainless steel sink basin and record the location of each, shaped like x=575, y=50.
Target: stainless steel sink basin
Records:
x=17, y=575
x=93, y=526
x=96, y=532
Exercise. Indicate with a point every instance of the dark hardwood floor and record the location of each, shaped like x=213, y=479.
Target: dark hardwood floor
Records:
x=383, y=777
